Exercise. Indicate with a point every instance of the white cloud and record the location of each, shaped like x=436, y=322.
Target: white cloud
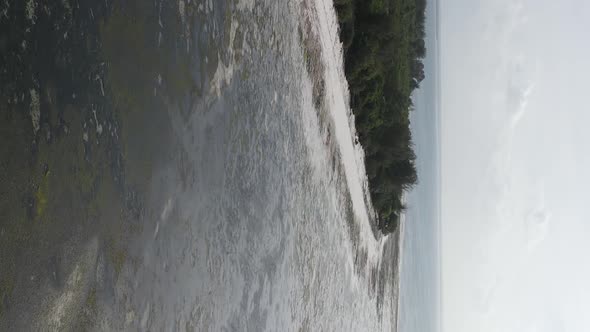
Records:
x=537, y=224
x=519, y=89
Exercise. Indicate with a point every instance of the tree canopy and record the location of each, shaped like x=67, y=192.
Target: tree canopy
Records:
x=383, y=41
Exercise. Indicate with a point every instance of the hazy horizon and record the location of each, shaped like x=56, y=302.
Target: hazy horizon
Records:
x=420, y=270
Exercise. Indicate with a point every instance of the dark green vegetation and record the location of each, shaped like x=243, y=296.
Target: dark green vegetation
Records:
x=383, y=41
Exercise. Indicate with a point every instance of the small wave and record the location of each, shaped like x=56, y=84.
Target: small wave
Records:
x=337, y=125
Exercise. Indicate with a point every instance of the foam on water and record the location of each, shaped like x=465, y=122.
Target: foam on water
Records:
x=337, y=96
x=257, y=232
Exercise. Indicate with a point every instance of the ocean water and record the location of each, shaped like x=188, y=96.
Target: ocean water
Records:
x=259, y=220
x=420, y=268
x=201, y=174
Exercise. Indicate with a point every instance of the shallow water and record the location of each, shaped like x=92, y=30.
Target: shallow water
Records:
x=245, y=196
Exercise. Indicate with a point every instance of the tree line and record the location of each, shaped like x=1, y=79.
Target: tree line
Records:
x=383, y=43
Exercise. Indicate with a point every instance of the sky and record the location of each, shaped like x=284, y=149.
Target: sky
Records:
x=514, y=161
